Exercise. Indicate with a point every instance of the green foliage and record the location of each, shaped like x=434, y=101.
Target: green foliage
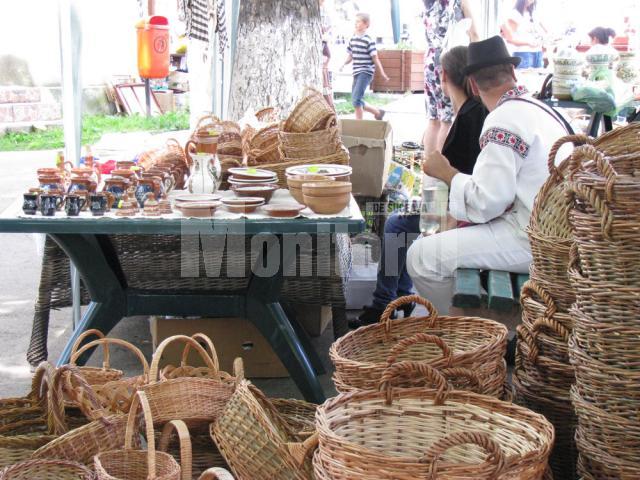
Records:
x=93, y=127
x=343, y=104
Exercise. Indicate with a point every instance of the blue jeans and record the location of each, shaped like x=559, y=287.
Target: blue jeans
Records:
x=360, y=83
x=393, y=279
x=530, y=59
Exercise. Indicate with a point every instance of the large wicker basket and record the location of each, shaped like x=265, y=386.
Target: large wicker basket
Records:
x=253, y=437
x=361, y=356
x=310, y=114
x=423, y=433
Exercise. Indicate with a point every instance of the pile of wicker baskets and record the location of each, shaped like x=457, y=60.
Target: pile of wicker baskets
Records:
x=197, y=422
x=543, y=375
x=604, y=187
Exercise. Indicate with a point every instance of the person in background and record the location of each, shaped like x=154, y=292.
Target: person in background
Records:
x=601, y=35
x=364, y=55
x=524, y=35
x=497, y=198
x=439, y=17
x=461, y=148
x=325, y=26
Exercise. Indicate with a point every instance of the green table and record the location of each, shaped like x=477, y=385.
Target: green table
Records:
x=86, y=242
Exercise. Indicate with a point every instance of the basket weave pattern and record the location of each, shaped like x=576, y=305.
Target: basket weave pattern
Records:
x=603, y=190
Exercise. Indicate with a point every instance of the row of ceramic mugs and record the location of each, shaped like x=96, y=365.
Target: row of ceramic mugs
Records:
x=48, y=203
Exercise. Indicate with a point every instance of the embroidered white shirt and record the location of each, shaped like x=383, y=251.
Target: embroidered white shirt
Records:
x=512, y=166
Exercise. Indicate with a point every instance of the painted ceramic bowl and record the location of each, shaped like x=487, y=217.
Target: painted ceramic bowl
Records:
x=243, y=205
x=262, y=190
x=283, y=210
x=198, y=209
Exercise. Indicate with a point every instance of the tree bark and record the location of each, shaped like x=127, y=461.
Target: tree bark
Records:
x=278, y=53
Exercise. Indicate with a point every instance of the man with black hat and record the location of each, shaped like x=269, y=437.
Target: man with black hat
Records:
x=498, y=197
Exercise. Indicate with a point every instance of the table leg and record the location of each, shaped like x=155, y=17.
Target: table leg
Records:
x=266, y=313
x=594, y=125
x=90, y=254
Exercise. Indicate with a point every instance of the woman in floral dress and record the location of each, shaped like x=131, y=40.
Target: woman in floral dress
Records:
x=439, y=16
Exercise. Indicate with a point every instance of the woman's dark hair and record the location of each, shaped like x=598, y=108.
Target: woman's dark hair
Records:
x=453, y=62
x=602, y=35
x=521, y=6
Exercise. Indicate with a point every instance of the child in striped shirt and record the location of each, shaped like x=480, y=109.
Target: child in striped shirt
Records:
x=362, y=52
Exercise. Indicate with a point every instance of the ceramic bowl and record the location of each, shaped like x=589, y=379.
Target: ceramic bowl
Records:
x=243, y=205
x=244, y=181
x=600, y=57
x=283, y=210
x=575, y=70
x=567, y=61
x=252, y=173
x=330, y=170
x=184, y=198
x=327, y=205
x=295, y=183
x=326, y=189
x=198, y=209
x=262, y=190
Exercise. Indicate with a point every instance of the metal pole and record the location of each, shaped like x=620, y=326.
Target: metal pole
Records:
x=395, y=20
x=147, y=96
x=70, y=53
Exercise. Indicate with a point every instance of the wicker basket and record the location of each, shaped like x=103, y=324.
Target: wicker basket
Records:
x=83, y=443
x=230, y=143
x=186, y=370
x=268, y=114
x=420, y=433
x=329, y=136
x=598, y=465
x=253, y=437
x=132, y=464
x=263, y=146
x=340, y=158
x=361, y=356
x=114, y=395
x=310, y=114
x=197, y=401
x=46, y=470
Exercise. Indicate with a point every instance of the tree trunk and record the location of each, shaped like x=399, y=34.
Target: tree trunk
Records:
x=278, y=53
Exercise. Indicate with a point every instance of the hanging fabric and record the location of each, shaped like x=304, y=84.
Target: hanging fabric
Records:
x=221, y=26
x=196, y=15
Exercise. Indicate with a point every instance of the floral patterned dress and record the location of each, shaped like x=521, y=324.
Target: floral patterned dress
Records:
x=439, y=15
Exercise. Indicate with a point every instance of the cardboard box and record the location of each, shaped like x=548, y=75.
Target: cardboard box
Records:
x=232, y=337
x=370, y=144
x=165, y=100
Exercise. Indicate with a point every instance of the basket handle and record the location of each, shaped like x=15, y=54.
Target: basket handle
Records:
x=140, y=400
x=418, y=369
x=496, y=456
x=546, y=323
x=82, y=337
x=574, y=260
x=173, y=142
x=216, y=473
x=115, y=341
x=300, y=451
x=157, y=356
x=209, y=344
x=402, y=346
x=211, y=117
x=531, y=288
x=186, y=452
x=587, y=152
x=476, y=383
x=238, y=368
x=531, y=342
x=589, y=195
x=385, y=318
x=577, y=140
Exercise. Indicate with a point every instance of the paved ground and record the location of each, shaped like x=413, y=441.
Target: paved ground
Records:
x=20, y=258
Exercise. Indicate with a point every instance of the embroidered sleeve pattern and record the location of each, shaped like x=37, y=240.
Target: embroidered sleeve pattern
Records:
x=503, y=137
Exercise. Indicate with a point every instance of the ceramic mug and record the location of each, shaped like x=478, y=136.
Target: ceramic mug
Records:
x=49, y=203
x=31, y=203
x=73, y=204
x=98, y=204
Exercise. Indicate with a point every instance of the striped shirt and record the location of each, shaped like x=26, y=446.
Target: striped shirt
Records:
x=362, y=49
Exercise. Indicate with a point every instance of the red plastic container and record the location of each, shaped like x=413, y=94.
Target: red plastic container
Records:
x=153, y=47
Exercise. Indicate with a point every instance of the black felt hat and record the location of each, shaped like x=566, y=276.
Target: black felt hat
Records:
x=486, y=53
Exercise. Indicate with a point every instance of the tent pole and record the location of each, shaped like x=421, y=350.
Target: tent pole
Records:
x=70, y=53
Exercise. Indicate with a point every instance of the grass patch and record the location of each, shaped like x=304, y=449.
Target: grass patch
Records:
x=343, y=105
x=93, y=127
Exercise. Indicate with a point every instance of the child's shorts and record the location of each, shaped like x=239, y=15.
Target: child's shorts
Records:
x=360, y=83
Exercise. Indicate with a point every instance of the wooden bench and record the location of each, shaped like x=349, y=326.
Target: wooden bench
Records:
x=490, y=294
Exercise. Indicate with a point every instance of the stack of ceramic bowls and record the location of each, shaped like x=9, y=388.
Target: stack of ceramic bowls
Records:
x=326, y=198
x=337, y=172
x=197, y=205
x=295, y=183
x=627, y=70
x=567, y=73
x=251, y=176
